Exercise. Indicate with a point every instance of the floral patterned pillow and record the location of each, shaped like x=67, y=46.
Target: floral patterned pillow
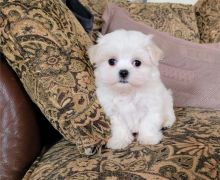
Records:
x=46, y=46
x=208, y=20
x=177, y=19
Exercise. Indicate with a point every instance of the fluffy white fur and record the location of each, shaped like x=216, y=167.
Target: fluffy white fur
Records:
x=141, y=104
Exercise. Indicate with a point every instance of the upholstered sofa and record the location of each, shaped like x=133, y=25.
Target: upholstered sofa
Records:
x=30, y=147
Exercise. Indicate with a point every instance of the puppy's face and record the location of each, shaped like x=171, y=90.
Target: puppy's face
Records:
x=125, y=59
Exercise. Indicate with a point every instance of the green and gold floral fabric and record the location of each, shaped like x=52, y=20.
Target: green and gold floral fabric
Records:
x=177, y=19
x=208, y=20
x=189, y=150
x=46, y=46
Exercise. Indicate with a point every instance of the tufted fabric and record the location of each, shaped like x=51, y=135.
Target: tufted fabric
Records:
x=189, y=150
x=177, y=19
x=46, y=47
x=208, y=20
x=20, y=141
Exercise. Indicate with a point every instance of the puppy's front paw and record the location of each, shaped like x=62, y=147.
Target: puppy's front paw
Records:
x=150, y=138
x=119, y=142
x=168, y=123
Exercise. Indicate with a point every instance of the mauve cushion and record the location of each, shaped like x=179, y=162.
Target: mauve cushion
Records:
x=190, y=70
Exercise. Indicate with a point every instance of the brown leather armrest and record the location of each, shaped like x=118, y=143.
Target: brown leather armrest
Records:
x=20, y=140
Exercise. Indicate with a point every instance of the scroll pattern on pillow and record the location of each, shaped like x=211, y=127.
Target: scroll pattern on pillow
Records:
x=46, y=46
x=208, y=20
x=177, y=19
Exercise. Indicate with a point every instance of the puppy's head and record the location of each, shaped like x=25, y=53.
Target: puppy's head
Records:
x=125, y=59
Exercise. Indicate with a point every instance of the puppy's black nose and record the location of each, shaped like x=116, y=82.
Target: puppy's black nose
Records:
x=123, y=73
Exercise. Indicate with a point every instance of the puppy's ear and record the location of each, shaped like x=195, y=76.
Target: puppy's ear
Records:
x=92, y=52
x=156, y=54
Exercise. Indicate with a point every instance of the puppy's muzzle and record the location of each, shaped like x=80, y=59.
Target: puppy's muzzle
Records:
x=123, y=73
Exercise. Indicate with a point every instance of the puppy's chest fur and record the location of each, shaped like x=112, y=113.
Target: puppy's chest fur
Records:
x=130, y=109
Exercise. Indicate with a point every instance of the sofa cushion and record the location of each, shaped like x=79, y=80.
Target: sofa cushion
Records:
x=189, y=150
x=20, y=141
x=46, y=47
x=208, y=20
x=184, y=70
x=177, y=19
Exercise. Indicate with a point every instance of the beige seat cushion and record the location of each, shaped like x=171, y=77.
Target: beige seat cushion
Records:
x=189, y=150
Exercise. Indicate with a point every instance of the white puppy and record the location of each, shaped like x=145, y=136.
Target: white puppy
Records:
x=129, y=87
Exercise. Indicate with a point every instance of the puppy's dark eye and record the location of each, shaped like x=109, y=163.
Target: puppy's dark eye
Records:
x=136, y=63
x=112, y=62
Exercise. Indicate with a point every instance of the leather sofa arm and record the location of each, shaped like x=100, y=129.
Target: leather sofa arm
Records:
x=20, y=140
